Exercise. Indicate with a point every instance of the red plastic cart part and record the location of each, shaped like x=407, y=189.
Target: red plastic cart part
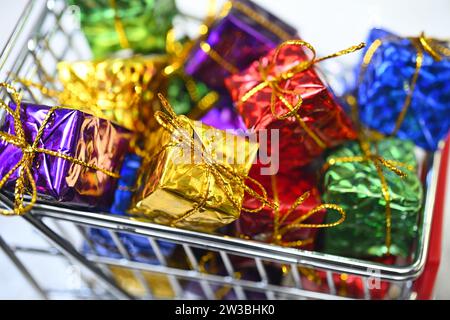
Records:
x=424, y=285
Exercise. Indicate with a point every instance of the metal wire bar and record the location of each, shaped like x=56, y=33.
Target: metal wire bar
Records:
x=207, y=290
x=124, y=252
x=264, y=278
x=91, y=246
x=240, y=294
x=68, y=250
x=176, y=287
x=41, y=251
x=330, y=282
x=22, y=269
x=296, y=276
x=232, y=245
x=216, y=279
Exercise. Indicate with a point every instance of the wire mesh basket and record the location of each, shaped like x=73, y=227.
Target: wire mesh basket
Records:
x=48, y=33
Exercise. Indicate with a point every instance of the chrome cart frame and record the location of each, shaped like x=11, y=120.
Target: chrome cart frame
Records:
x=32, y=52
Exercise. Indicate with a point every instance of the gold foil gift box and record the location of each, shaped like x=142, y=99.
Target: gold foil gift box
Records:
x=120, y=90
x=194, y=176
x=159, y=284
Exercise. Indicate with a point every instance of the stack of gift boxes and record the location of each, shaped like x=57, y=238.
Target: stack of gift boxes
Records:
x=339, y=182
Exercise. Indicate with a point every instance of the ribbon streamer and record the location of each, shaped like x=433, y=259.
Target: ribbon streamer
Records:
x=279, y=232
x=118, y=25
x=29, y=152
x=225, y=175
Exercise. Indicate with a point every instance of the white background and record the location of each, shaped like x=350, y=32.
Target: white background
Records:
x=330, y=25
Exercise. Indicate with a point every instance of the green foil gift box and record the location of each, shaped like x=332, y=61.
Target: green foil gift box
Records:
x=378, y=187
x=113, y=25
x=189, y=97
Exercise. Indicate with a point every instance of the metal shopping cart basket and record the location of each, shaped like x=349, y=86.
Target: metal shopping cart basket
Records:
x=46, y=34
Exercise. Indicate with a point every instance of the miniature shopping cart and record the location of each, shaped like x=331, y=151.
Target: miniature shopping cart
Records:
x=48, y=33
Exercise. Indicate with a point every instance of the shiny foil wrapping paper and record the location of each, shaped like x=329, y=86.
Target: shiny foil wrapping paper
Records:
x=173, y=180
x=76, y=134
x=138, y=247
x=356, y=187
x=224, y=116
x=319, y=111
x=126, y=184
x=139, y=250
x=244, y=269
x=113, y=25
x=120, y=90
x=286, y=188
x=158, y=283
x=194, y=290
x=189, y=97
x=239, y=39
x=346, y=285
x=179, y=95
x=385, y=85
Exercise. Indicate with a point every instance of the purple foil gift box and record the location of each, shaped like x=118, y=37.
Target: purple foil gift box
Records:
x=76, y=134
x=244, y=34
x=224, y=117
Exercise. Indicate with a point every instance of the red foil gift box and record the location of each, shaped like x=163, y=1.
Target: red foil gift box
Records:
x=274, y=226
x=345, y=285
x=283, y=91
x=348, y=285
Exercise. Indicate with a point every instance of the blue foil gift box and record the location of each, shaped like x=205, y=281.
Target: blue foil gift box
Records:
x=138, y=247
x=404, y=87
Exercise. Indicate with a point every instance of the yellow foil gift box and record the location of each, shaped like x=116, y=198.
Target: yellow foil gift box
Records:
x=159, y=284
x=122, y=90
x=194, y=176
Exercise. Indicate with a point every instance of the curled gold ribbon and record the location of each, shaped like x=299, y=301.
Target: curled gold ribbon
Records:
x=279, y=94
x=421, y=44
x=29, y=151
x=279, y=232
x=225, y=175
x=379, y=163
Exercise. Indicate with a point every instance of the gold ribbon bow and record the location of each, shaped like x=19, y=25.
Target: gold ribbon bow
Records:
x=379, y=163
x=29, y=151
x=279, y=232
x=225, y=175
x=421, y=44
x=275, y=83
